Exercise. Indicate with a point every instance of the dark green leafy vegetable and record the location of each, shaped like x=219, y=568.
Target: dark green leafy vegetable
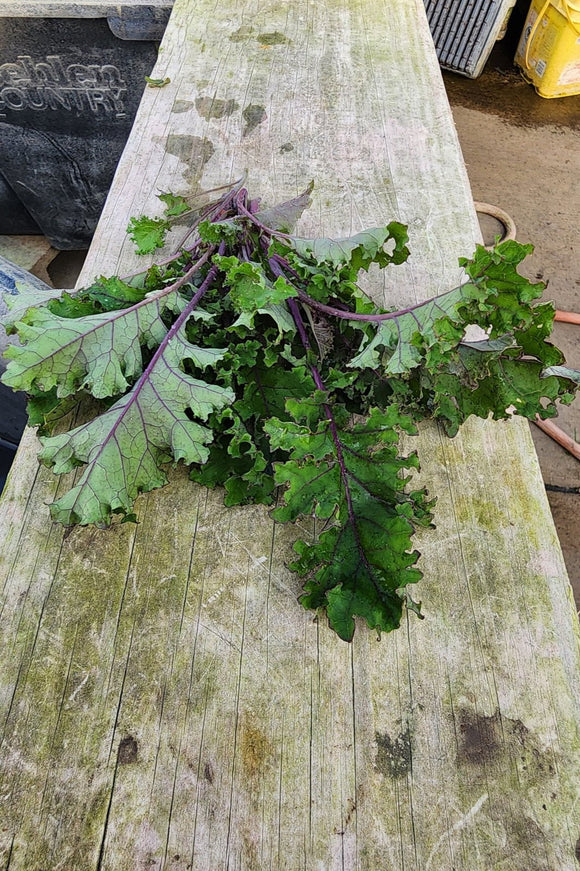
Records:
x=124, y=448
x=352, y=474
x=252, y=356
x=156, y=83
x=174, y=205
x=147, y=233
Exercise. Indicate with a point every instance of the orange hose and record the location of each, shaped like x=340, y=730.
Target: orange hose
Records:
x=559, y=436
x=567, y=317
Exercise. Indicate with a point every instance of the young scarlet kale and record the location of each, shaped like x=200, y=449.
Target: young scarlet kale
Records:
x=253, y=356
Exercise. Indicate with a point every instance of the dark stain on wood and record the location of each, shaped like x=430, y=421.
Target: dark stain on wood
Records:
x=489, y=744
x=253, y=115
x=244, y=32
x=208, y=772
x=211, y=107
x=480, y=737
x=349, y=813
x=195, y=151
x=128, y=751
x=180, y=106
x=256, y=750
x=493, y=738
x=393, y=758
x=275, y=38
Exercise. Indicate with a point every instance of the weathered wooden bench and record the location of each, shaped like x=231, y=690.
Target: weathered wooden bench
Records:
x=166, y=702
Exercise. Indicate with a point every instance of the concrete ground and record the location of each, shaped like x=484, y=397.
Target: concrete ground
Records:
x=522, y=154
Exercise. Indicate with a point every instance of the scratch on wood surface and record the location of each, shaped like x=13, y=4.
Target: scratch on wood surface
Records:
x=465, y=820
x=261, y=563
x=16, y=759
x=76, y=691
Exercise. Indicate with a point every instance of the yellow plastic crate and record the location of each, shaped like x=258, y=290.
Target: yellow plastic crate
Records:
x=549, y=49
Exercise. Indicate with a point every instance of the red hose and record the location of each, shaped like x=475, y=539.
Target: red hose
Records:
x=559, y=436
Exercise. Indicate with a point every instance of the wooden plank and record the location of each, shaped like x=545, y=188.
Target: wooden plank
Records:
x=166, y=702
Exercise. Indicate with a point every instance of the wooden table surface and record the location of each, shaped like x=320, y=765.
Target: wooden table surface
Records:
x=165, y=701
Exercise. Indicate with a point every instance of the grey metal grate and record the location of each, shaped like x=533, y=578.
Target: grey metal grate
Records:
x=464, y=31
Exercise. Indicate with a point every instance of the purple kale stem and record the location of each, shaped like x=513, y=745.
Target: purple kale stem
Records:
x=159, y=294
x=293, y=306
x=179, y=282
x=283, y=263
x=164, y=262
x=241, y=198
x=358, y=316
x=246, y=213
x=191, y=305
x=213, y=212
x=280, y=267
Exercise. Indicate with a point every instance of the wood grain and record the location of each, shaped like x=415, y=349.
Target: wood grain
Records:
x=166, y=703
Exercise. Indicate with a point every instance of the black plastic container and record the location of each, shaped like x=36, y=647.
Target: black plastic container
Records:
x=14, y=218
x=69, y=90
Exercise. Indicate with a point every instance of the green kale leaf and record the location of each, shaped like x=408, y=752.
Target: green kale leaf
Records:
x=352, y=476
x=125, y=447
x=148, y=234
